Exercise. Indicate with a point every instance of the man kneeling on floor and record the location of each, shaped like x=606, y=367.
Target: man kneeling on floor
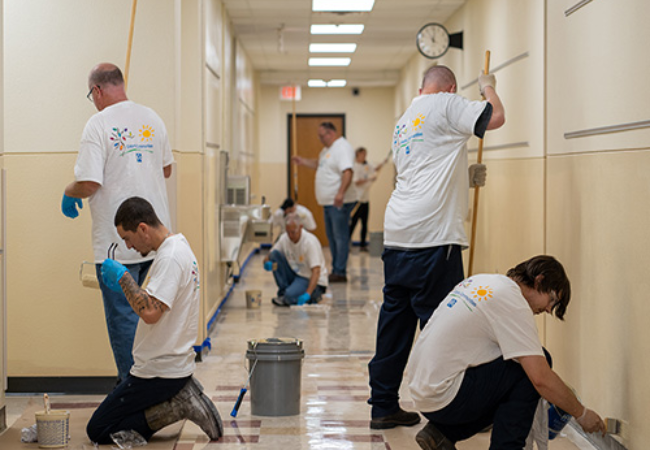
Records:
x=298, y=266
x=479, y=361
x=160, y=389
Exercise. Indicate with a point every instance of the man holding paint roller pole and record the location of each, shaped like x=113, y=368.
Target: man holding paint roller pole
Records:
x=333, y=182
x=479, y=362
x=160, y=389
x=298, y=265
x=423, y=225
x=124, y=152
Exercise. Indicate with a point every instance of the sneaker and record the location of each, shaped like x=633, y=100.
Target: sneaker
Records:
x=336, y=278
x=279, y=301
x=430, y=438
x=400, y=419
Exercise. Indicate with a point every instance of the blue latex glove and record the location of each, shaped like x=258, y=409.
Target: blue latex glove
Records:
x=268, y=266
x=303, y=298
x=112, y=272
x=69, y=206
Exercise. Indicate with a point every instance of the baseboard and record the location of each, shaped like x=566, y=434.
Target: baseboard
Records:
x=61, y=385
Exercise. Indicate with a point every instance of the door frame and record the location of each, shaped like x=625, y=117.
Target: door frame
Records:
x=289, y=116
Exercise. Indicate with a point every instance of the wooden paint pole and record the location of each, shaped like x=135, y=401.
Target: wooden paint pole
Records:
x=479, y=160
x=127, y=65
x=294, y=145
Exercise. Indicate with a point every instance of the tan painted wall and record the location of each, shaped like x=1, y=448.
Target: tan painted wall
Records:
x=578, y=199
x=66, y=335
x=369, y=123
x=596, y=219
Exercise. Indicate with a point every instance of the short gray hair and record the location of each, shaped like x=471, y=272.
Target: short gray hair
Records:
x=292, y=218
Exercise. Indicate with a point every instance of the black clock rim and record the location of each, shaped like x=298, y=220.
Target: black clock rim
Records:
x=417, y=43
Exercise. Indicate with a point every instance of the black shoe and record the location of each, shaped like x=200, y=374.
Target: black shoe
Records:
x=279, y=301
x=430, y=438
x=400, y=419
x=336, y=278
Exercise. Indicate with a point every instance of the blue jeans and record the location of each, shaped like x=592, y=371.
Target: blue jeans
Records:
x=337, y=228
x=416, y=281
x=290, y=284
x=121, y=320
x=499, y=393
x=123, y=409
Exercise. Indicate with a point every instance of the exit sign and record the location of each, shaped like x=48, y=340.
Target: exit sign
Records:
x=290, y=93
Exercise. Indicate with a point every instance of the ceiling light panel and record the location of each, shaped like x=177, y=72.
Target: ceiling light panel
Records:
x=338, y=62
x=337, y=29
x=342, y=5
x=332, y=48
x=316, y=83
x=336, y=83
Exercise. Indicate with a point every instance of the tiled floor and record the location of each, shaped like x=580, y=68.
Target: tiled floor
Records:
x=338, y=337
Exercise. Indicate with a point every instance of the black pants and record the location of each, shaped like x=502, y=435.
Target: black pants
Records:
x=123, y=409
x=498, y=393
x=362, y=213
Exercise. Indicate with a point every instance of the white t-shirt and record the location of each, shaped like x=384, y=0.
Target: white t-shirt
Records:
x=305, y=215
x=483, y=318
x=165, y=349
x=429, y=203
x=123, y=148
x=304, y=255
x=363, y=172
x=332, y=161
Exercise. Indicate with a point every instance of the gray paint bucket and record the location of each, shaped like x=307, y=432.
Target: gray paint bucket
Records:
x=275, y=364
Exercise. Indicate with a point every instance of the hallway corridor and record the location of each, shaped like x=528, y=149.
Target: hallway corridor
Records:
x=338, y=337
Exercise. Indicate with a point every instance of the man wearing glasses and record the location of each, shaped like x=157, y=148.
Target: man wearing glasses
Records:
x=124, y=152
x=479, y=362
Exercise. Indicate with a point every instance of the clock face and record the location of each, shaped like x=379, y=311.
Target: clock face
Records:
x=433, y=40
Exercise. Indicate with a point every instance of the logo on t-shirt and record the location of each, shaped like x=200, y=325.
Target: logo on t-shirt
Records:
x=122, y=141
x=195, y=276
x=482, y=293
x=146, y=133
x=405, y=135
x=120, y=138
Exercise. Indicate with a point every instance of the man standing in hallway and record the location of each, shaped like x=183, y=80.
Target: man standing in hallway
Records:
x=333, y=179
x=160, y=389
x=423, y=224
x=124, y=152
x=364, y=175
x=298, y=265
x=479, y=361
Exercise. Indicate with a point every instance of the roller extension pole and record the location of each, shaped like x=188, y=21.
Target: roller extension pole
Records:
x=294, y=144
x=127, y=65
x=479, y=160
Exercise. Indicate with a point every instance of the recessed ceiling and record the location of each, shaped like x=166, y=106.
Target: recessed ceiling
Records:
x=276, y=37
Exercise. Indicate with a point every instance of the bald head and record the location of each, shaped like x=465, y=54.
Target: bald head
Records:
x=438, y=79
x=107, y=85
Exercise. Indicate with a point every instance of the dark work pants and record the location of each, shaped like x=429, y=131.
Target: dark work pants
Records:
x=497, y=393
x=123, y=409
x=361, y=213
x=416, y=282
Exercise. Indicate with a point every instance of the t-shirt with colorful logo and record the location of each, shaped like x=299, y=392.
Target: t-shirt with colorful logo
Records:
x=304, y=255
x=430, y=200
x=483, y=318
x=332, y=161
x=124, y=148
x=363, y=172
x=165, y=348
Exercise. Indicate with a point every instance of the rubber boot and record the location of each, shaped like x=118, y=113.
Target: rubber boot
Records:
x=190, y=403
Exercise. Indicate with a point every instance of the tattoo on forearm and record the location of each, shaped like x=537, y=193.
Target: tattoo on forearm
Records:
x=138, y=298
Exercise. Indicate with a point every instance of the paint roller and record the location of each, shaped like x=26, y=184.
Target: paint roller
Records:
x=243, y=390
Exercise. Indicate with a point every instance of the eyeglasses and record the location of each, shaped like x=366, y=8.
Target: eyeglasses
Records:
x=554, y=300
x=90, y=92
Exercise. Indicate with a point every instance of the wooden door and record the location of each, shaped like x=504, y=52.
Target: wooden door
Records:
x=309, y=146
